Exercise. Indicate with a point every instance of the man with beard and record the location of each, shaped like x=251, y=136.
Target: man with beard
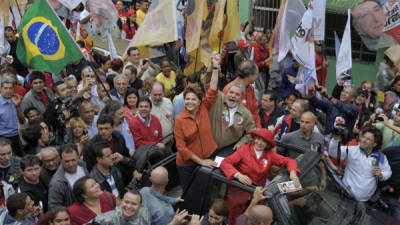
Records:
x=231, y=122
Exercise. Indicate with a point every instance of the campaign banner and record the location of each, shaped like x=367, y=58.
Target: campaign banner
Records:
x=319, y=19
x=344, y=59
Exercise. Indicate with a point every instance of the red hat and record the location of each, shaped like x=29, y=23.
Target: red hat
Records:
x=264, y=134
x=242, y=44
x=131, y=12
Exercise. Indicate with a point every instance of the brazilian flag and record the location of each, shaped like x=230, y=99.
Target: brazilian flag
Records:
x=44, y=43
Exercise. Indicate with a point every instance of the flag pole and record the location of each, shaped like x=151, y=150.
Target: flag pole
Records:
x=16, y=2
x=76, y=44
x=195, y=60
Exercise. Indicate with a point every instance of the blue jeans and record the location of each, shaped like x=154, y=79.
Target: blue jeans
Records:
x=393, y=205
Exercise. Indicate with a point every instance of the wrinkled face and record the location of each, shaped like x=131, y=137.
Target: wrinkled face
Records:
x=7, y=91
x=37, y=86
x=45, y=132
x=214, y=219
x=346, y=95
x=369, y=18
x=234, y=96
x=62, y=218
x=192, y=102
x=70, y=161
x=61, y=92
x=87, y=113
x=144, y=109
x=5, y=155
x=31, y=174
x=267, y=102
x=50, y=160
x=77, y=129
x=157, y=94
x=166, y=68
x=130, y=205
x=388, y=102
x=260, y=144
x=121, y=85
x=72, y=89
x=105, y=131
x=10, y=36
x=134, y=57
x=92, y=189
x=367, y=141
x=107, y=159
x=132, y=100
x=307, y=123
x=119, y=115
x=34, y=116
x=295, y=110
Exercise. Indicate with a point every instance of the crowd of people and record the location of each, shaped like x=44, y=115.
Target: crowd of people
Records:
x=68, y=141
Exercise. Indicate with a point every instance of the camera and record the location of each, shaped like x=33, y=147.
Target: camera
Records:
x=144, y=61
x=342, y=132
x=66, y=104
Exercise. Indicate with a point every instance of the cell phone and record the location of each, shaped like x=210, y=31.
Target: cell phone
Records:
x=144, y=62
x=85, y=132
x=188, y=217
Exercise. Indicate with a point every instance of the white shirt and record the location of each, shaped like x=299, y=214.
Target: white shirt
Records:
x=358, y=175
x=232, y=112
x=72, y=178
x=164, y=113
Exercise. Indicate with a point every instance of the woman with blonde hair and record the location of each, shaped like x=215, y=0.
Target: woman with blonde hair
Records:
x=79, y=135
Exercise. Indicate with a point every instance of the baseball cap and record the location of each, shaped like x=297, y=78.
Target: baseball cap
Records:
x=242, y=44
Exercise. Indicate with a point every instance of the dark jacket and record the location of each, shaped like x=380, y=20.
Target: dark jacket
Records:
x=119, y=146
x=101, y=179
x=60, y=193
x=11, y=172
x=25, y=187
x=272, y=118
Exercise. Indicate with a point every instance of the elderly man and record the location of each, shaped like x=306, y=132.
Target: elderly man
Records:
x=50, y=162
x=231, y=122
x=304, y=137
x=154, y=198
x=162, y=109
x=10, y=113
x=291, y=122
x=9, y=164
x=248, y=74
x=120, y=87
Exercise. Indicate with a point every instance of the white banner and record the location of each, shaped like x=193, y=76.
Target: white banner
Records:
x=111, y=47
x=344, y=58
x=4, y=45
x=292, y=14
x=71, y=4
x=319, y=19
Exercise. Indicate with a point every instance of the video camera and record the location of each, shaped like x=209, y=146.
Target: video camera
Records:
x=341, y=131
x=66, y=104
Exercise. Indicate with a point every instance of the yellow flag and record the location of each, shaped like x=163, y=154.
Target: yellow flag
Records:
x=205, y=48
x=217, y=25
x=194, y=19
x=232, y=28
x=191, y=65
x=5, y=10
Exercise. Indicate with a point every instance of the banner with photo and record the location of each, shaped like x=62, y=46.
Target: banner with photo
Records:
x=377, y=23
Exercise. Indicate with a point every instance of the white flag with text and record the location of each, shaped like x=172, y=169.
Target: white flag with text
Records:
x=344, y=58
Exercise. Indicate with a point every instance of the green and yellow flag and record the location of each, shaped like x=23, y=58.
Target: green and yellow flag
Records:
x=44, y=43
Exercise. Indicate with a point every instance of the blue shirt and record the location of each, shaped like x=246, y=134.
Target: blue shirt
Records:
x=8, y=118
x=6, y=219
x=179, y=104
x=126, y=133
x=160, y=206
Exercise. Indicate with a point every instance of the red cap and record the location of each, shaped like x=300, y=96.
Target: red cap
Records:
x=264, y=134
x=242, y=44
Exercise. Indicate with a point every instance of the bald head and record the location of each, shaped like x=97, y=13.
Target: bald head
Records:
x=307, y=122
x=159, y=176
x=260, y=215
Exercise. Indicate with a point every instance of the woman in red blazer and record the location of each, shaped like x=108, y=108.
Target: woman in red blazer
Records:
x=250, y=164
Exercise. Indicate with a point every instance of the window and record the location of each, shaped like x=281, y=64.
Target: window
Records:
x=265, y=13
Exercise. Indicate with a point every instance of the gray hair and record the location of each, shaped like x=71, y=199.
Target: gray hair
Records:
x=247, y=68
x=240, y=85
x=393, y=95
x=69, y=78
x=7, y=80
x=47, y=149
x=119, y=76
x=303, y=105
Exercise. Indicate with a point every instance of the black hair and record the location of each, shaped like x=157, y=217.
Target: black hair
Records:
x=68, y=148
x=4, y=141
x=27, y=110
x=145, y=99
x=32, y=134
x=131, y=49
x=193, y=78
x=9, y=69
x=15, y=202
x=29, y=160
x=395, y=80
x=9, y=29
x=131, y=69
x=134, y=192
x=98, y=148
x=81, y=43
x=79, y=189
x=104, y=118
x=377, y=135
x=37, y=75
x=56, y=84
x=129, y=92
x=272, y=95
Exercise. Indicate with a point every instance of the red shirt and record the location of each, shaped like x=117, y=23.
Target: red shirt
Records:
x=144, y=135
x=321, y=73
x=130, y=32
x=261, y=53
x=44, y=98
x=81, y=214
x=49, y=82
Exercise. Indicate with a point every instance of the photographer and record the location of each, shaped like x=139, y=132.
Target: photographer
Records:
x=390, y=128
x=59, y=111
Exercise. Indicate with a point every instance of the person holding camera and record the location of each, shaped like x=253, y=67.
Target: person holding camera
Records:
x=390, y=128
x=365, y=165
